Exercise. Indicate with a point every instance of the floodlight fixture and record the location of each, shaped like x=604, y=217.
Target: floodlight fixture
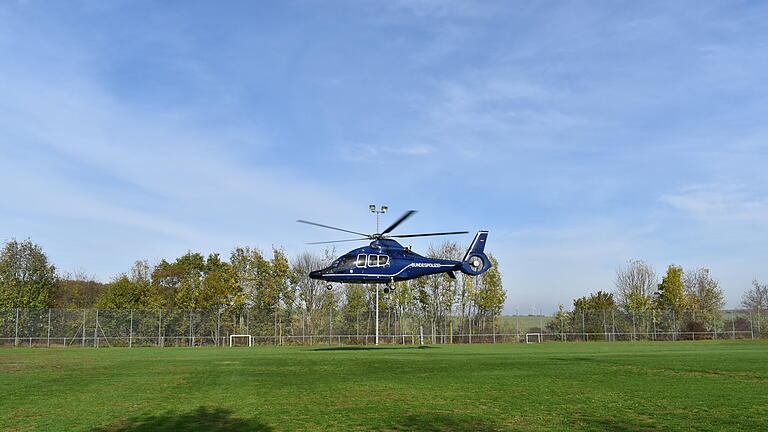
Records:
x=384, y=209
x=372, y=207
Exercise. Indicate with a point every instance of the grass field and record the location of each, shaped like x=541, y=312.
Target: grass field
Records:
x=553, y=386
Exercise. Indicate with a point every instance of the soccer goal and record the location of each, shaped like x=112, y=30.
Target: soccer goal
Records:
x=536, y=338
x=232, y=338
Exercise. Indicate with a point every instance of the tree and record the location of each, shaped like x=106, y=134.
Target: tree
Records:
x=703, y=292
x=77, y=290
x=490, y=294
x=598, y=301
x=756, y=298
x=590, y=311
x=635, y=285
x=251, y=271
x=122, y=293
x=437, y=294
x=193, y=282
x=27, y=280
x=219, y=289
x=309, y=290
x=670, y=294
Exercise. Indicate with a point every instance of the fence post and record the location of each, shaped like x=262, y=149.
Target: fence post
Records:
x=605, y=327
x=95, y=331
x=674, y=325
x=82, y=344
x=562, y=328
x=751, y=325
x=634, y=326
x=130, y=332
x=470, y=329
x=49, y=327
x=159, y=324
x=733, y=326
x=190, y=327
x=16, y=335
x=613, y=325
x=583, y=328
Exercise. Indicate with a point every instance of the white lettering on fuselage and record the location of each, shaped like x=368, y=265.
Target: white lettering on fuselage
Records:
x=430, y=265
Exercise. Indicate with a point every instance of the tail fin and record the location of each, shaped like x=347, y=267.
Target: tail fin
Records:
x=475, y=261
x=478, y=244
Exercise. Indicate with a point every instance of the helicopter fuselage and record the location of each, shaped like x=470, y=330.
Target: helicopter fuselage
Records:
x=383, y=261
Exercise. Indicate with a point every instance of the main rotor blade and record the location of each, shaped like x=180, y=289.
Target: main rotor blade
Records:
x=430, y=234
x=336, y=241
x=333, y=228
x=407, y=214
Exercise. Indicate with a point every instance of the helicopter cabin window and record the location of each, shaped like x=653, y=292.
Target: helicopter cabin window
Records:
x=378, y=260
x=361, y=260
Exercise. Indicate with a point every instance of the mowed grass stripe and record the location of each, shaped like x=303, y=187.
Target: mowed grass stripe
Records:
x=705, y=385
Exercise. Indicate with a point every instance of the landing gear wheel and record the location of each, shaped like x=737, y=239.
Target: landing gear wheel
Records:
x=387, y=290
x=329, y=287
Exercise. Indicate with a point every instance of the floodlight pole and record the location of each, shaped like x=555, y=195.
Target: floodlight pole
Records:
x=377, y=314
x=382, y=209
x=379, y=211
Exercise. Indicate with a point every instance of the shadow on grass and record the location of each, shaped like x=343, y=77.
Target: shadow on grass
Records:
x=202, y=419
x=442, y=423
x=373, y=348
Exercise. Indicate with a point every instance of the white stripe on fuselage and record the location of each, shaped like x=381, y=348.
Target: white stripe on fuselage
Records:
x=386, y=275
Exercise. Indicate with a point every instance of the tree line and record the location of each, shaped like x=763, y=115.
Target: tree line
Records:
x=271, y=285
x=694, y=295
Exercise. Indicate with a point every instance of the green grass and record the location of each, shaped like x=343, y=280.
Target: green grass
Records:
x=554, y=386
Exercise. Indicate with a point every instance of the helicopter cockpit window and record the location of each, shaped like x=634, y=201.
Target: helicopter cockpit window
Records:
x=345, y=263
x=361, y=260
x=373, y=261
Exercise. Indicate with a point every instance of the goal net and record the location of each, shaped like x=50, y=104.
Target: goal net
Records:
x=232, y=339
x=533, y=338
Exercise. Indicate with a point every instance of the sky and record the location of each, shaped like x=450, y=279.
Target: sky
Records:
x=580, y=134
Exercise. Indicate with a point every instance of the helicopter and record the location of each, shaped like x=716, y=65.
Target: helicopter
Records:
x=385, y=260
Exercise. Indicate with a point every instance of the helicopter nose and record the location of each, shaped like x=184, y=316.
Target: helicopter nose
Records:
x=314, y=274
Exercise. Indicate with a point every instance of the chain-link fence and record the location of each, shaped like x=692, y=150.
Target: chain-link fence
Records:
x=186, y=328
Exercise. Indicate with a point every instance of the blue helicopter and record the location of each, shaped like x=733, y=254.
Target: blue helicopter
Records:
x=384, y=260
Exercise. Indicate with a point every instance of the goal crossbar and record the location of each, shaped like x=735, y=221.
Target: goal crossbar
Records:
x=232, y=337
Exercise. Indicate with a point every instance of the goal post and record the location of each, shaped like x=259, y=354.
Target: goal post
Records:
x=232, y=338
x=536, y=336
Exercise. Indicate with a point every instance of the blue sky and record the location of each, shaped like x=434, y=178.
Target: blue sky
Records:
x=581, y=134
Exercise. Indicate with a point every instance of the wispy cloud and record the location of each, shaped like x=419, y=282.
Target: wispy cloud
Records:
x=720, y=202
x=390, y=152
